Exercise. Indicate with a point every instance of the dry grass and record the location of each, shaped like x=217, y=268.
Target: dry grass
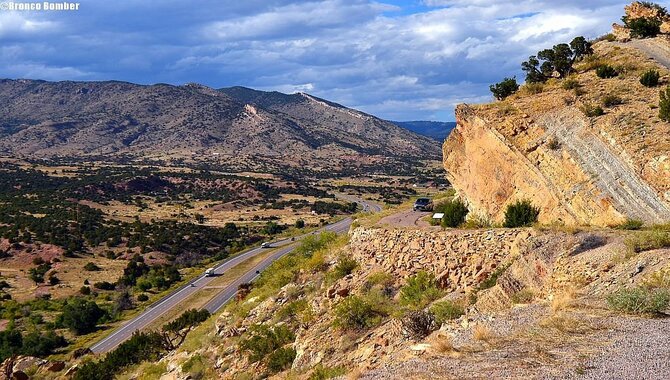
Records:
x=658, y=279
x=563, y=300
x=444, y=345
x=483, y=333
x=355, y=374
x=566, y=324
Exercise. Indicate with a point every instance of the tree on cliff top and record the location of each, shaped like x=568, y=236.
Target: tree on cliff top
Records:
x=503, y=89
x=559, y=59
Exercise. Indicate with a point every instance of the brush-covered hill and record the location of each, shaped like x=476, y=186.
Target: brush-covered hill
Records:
x=235, y=126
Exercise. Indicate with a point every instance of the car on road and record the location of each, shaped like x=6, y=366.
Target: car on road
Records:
x=266, y=245
x=423, y=204
x=209, y=272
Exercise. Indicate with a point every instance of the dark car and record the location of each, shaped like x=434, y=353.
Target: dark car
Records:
x=423, y=204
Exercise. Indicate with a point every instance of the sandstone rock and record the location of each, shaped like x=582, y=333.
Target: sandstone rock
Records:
x=487, y=165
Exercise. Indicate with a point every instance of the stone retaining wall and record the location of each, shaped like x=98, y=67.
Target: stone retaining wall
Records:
x=459, y=259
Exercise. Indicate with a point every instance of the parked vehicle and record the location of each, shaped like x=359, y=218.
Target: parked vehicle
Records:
x=266, y=245
x=209, y=272
x=423, y=204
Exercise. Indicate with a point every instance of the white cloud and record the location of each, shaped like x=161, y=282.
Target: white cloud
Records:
x=359, y=53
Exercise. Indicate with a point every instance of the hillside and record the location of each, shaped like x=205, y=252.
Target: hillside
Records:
x=236, y=127
x=436, y=130
x=587, y=150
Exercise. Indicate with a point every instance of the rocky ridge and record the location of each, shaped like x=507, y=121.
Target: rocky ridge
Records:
x=541, y=146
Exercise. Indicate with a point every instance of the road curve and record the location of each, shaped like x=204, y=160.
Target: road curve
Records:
x=167, y=303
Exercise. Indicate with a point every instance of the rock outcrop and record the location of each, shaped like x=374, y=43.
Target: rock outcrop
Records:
x=578, y=169
x=637, y=10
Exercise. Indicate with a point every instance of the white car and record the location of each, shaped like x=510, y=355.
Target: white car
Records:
x=266, y=245
x=209, y=272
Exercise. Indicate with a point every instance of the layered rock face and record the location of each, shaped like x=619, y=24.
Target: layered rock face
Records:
x=579, y=170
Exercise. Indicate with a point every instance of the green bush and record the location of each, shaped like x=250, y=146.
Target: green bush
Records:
x=357, y=313
x=420, y=290
x=81, y=316
x=446, y=310
x=611, y=100
x=322, y=373
x=631, y=224
x=650, y=78
x=503, y=89
x=643, y=27
x=281, y=359
x=606, y=71
x=265, y=340
x=455, y=213
x=345, y=266
x=648, y=240
x=570, y=84
x=521, y=214
x=91, y=267
x=664, y=105
x=142, y=297
x=640, y=300
x=591, y=110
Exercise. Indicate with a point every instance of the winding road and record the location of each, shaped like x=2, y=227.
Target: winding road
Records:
x=173, y=300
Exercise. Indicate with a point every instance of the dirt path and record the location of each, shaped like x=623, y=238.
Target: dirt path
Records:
x=654, y=48
x=406, y=218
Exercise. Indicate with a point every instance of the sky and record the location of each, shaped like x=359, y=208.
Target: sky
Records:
x=395, y=59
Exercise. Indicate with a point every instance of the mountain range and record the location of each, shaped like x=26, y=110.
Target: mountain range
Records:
x=237, y=126
x=437, y=130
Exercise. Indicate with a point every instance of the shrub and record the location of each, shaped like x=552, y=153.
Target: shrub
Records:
x=104, y=285
x=611, y=100
x=345, y=266
x=639, y=300
x=281, y=359
x=420, y=290
x=631, y=224
x=265, y=340
x=299, y=223
x=553, y=144
x=606, y=71
x=648, y=240
x=322, y=373
x=523, y=296
x=650, y=78
x=455, y=213
x=419, y=324
x=81, y=316
x=532, y=88
x=664, y=105
x=570, y=84
x=142, y=297
x=357, y=313
x=643, y=27
x=492, y=279
x=91, y=267
x=521, y=214
x=591, y=110
x=503, y=89
x=446, y=310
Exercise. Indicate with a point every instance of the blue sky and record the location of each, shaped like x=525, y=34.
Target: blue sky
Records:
x=397, y=59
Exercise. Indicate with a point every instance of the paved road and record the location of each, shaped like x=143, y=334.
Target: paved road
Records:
x=407, y=218
x=173, y=300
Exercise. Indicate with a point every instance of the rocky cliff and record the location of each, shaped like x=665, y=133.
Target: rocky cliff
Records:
x=539, y=144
